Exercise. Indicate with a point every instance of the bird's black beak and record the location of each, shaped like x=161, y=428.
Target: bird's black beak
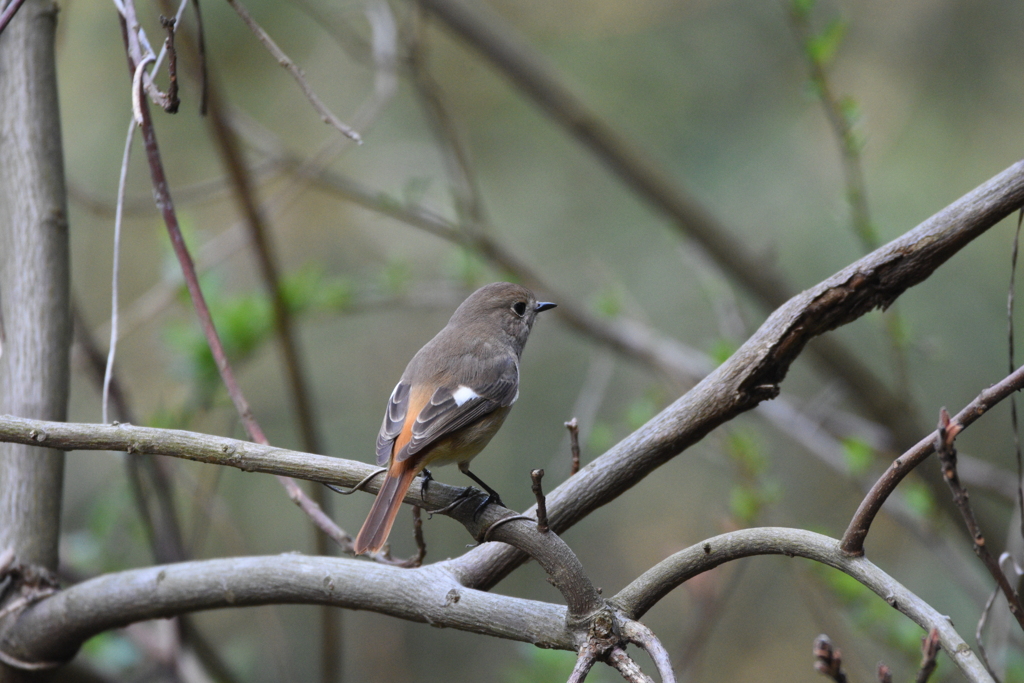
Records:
x=544, y=306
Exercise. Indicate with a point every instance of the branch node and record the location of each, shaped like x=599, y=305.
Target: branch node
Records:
x=573, y=426
x=542, y=507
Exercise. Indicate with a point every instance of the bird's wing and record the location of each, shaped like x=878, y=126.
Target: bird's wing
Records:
x=430, y=417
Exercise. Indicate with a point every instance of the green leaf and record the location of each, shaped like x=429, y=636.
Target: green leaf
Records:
x=640, y=411
x=608, y=303
x=744, y=447
x=721, y=350
x=858, y=455
x=468, y=268
x=395, y=277
x=822, y=48
x=111, y=653
x=802, y=8
x=601, y=437
x=744, y=504
x=919, y=499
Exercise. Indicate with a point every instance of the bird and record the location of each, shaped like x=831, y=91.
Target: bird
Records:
x=452, y=398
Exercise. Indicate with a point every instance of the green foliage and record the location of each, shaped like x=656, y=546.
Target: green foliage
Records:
x=1014, y=666
x=744, y=448
x=395, y=277
x=640, y=411
x=919, y=499
x=602, y=437
x=753, y=491
x=871, y=613
x=822, y=48
x=468, y=268
x=721, y=349
x=802, y=8
x=858, y=455
x=111, y=653
x=245, y=321
x=608, y=303
x=536, y=665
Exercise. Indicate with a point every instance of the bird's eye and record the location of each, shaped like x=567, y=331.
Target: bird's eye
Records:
x=519, y=308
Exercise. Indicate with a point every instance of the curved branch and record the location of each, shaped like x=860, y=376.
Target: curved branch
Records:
x=551, y=552
x=753, y=373
x=53, y=629
x=857, y=531
x=639, y=596
x=652, y=183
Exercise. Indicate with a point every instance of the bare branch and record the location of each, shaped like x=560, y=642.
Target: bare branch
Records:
x=574, y=445
x=52, y=630
x=945, y=435
x=857, y=531
x=161, y=192
x=538, y=492
x=521, y=65
x=929, y=651
x=640, y=595
x=828, y=660
x=625, y=665
x=326, y=115
x=640, y=635
x=752, y=374
x=9, y=12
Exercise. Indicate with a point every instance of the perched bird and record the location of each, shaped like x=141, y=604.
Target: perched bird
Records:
x=452, y=398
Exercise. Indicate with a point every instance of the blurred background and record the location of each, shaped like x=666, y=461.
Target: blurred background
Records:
x=720, y=96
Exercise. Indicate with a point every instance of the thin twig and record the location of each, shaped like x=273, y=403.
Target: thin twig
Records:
x=857, y=531
x=1011, y=364
x=468, y=199
x=326, y=115
x=255, y=222
x=980, y=628
x=930, y=648
x=947, y=432
x=640, y=635
x=837, y=111
x=164, y=202
x=542, y=508
x=574, y=444
x=828, y=660
x=9, y=12
x=204, y=80
x=114, y=305
x=172, y=66
x=585, y=660
x=624, y=664
x=417, y=535
x=638, y=171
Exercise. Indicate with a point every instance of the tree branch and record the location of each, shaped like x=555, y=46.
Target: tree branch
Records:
x=53, y=629
x=639, y=596
x=857, y=531
x=638, y=171
x=752, y=374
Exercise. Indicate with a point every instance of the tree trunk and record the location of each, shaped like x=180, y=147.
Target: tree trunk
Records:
x=35, y=325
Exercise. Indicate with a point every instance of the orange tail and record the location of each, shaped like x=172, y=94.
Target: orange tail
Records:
x=385, y=508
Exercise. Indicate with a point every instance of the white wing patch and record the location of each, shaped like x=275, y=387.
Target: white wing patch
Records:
x=463, y=394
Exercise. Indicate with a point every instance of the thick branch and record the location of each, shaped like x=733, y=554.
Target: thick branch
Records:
x=550, y=551
x=53, y=629
x=857, y=531
x=35, y=320
x=640, y=172
x=639, y=596
x=753, y=373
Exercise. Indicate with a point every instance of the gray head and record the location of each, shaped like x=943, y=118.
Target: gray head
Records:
x=500, y=306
